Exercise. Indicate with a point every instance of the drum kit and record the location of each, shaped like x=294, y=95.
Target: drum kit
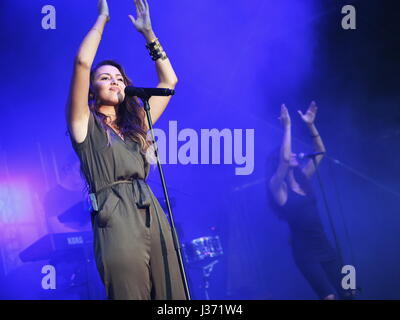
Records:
x=202, y=253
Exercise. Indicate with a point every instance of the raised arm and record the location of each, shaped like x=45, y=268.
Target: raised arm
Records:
x=77, y=111
x=276, y=184
x=309, y=118
x=166, y=74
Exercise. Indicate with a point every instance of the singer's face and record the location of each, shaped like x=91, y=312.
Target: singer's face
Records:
x=293, y=160
x=109, y=85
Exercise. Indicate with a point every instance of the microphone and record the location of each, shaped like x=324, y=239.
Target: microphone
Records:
x=309, y=155
x=148, y=92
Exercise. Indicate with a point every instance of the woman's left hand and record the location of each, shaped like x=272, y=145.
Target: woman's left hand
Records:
x=310, y=115
x=142, y=23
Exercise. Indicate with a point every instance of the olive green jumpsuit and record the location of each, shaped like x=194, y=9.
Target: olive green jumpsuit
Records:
x=132, y=237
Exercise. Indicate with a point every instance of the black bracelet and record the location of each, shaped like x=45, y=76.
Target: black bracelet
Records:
x=156, y=51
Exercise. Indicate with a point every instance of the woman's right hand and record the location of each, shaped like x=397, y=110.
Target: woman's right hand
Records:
x=102, y=7
x=284, y=117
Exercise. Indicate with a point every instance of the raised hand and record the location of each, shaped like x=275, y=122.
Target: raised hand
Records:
x=284, y=117
x=102, y=7
x=142, y=22
x=309, y=116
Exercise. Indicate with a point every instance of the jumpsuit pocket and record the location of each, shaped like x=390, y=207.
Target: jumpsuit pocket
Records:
x=107, y=203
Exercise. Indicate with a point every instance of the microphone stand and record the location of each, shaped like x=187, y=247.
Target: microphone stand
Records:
x=328, y=211
x=145, y=99
x=352, y=293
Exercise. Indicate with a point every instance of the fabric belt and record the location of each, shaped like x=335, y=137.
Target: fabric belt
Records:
x=139, y=187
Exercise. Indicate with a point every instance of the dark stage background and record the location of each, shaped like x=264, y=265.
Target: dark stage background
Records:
x=236, y=62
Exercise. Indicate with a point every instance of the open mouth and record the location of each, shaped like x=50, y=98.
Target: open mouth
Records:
x=115, y=89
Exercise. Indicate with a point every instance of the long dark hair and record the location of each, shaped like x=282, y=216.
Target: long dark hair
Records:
x=130, y=115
